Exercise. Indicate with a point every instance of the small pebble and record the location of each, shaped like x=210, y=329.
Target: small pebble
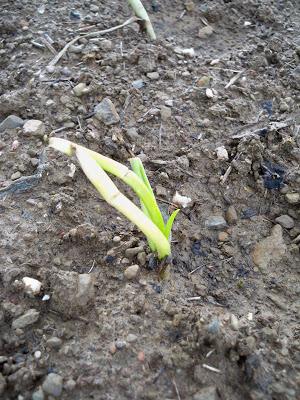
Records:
x=209, y=93
x=70, y=385
x=165, y=113
x=53, y=385
x=215, y=222
x=131, y=272
x=54, y=343
x=131, y=338
x=16, y=175
x=153, y=76
x=120, y=344
x=80, y=89
x=234, y=322
x=37, y=354
x=222, y=153
x=223, y=236
x=285, y=221
x=38, y=395
x=32, y=286
x=34, y=127
x=231, y=215
x=293, y=198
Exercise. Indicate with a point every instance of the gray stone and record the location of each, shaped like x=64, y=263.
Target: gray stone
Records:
x=11, y=122
x=106, y=45
x=53, y=385
x=165, y=113
x=80, y=89
x=231, y=215
x=34, y=127
x=54, y=343
x=207, y=393
x=73, y=293
x=215, y=222
x=131, y=272
x=285, y=221
x=138, y=84
x=131, y=337
x=106, y=112
x=38, y=395
x=29, y=318
x=85, y=289
x=16, y=175
x=120, y=344
x=153, y=76
x=132, y=133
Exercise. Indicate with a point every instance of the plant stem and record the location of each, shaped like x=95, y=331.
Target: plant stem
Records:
x=115, y=198
x=141, y=12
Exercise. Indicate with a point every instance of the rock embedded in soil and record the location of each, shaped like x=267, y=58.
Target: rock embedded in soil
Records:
x=231, y=215
x=285, y=221
x=29, y=318
x=38, y=395
x=16, y=175
x=222, y=153
x=206, y=393
x=153, y=76
x=54, y=343
x=165, y=113
x=131, y=272
x=272, y=248
x=34, y=127
x=215, y=222
x=106, y=112
x=11, y=122
x=80, y=89
x=73, y=293
x=293, y=198
x=53, y=385
x=32, y=286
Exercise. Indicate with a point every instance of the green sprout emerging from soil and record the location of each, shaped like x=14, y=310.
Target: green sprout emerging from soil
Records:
x=141, y=13
x=148, y=218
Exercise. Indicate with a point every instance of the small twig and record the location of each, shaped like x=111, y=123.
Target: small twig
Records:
x=92, y=267
x=79, y=123
x=160, y=134
x=210, y=353
x=234, y=79
x=55, y=60
x=176, y=389
x=182, y=14
x=213, y=369
x=196, y=269
x=226, y=175
x=194, y=298
x=48, y=45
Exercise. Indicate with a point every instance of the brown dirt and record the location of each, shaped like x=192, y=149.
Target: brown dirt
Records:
x=146, y=339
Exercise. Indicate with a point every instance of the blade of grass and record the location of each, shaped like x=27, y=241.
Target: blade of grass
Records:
x=115, y=198
x=169, y=224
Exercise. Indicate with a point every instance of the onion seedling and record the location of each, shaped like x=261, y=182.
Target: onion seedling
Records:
x=149, y=218
x=141, y=12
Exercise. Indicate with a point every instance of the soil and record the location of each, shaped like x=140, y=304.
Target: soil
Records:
x=225, y=324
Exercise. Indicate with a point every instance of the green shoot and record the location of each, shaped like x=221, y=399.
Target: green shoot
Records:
x=148, y=219
x=140, y=12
